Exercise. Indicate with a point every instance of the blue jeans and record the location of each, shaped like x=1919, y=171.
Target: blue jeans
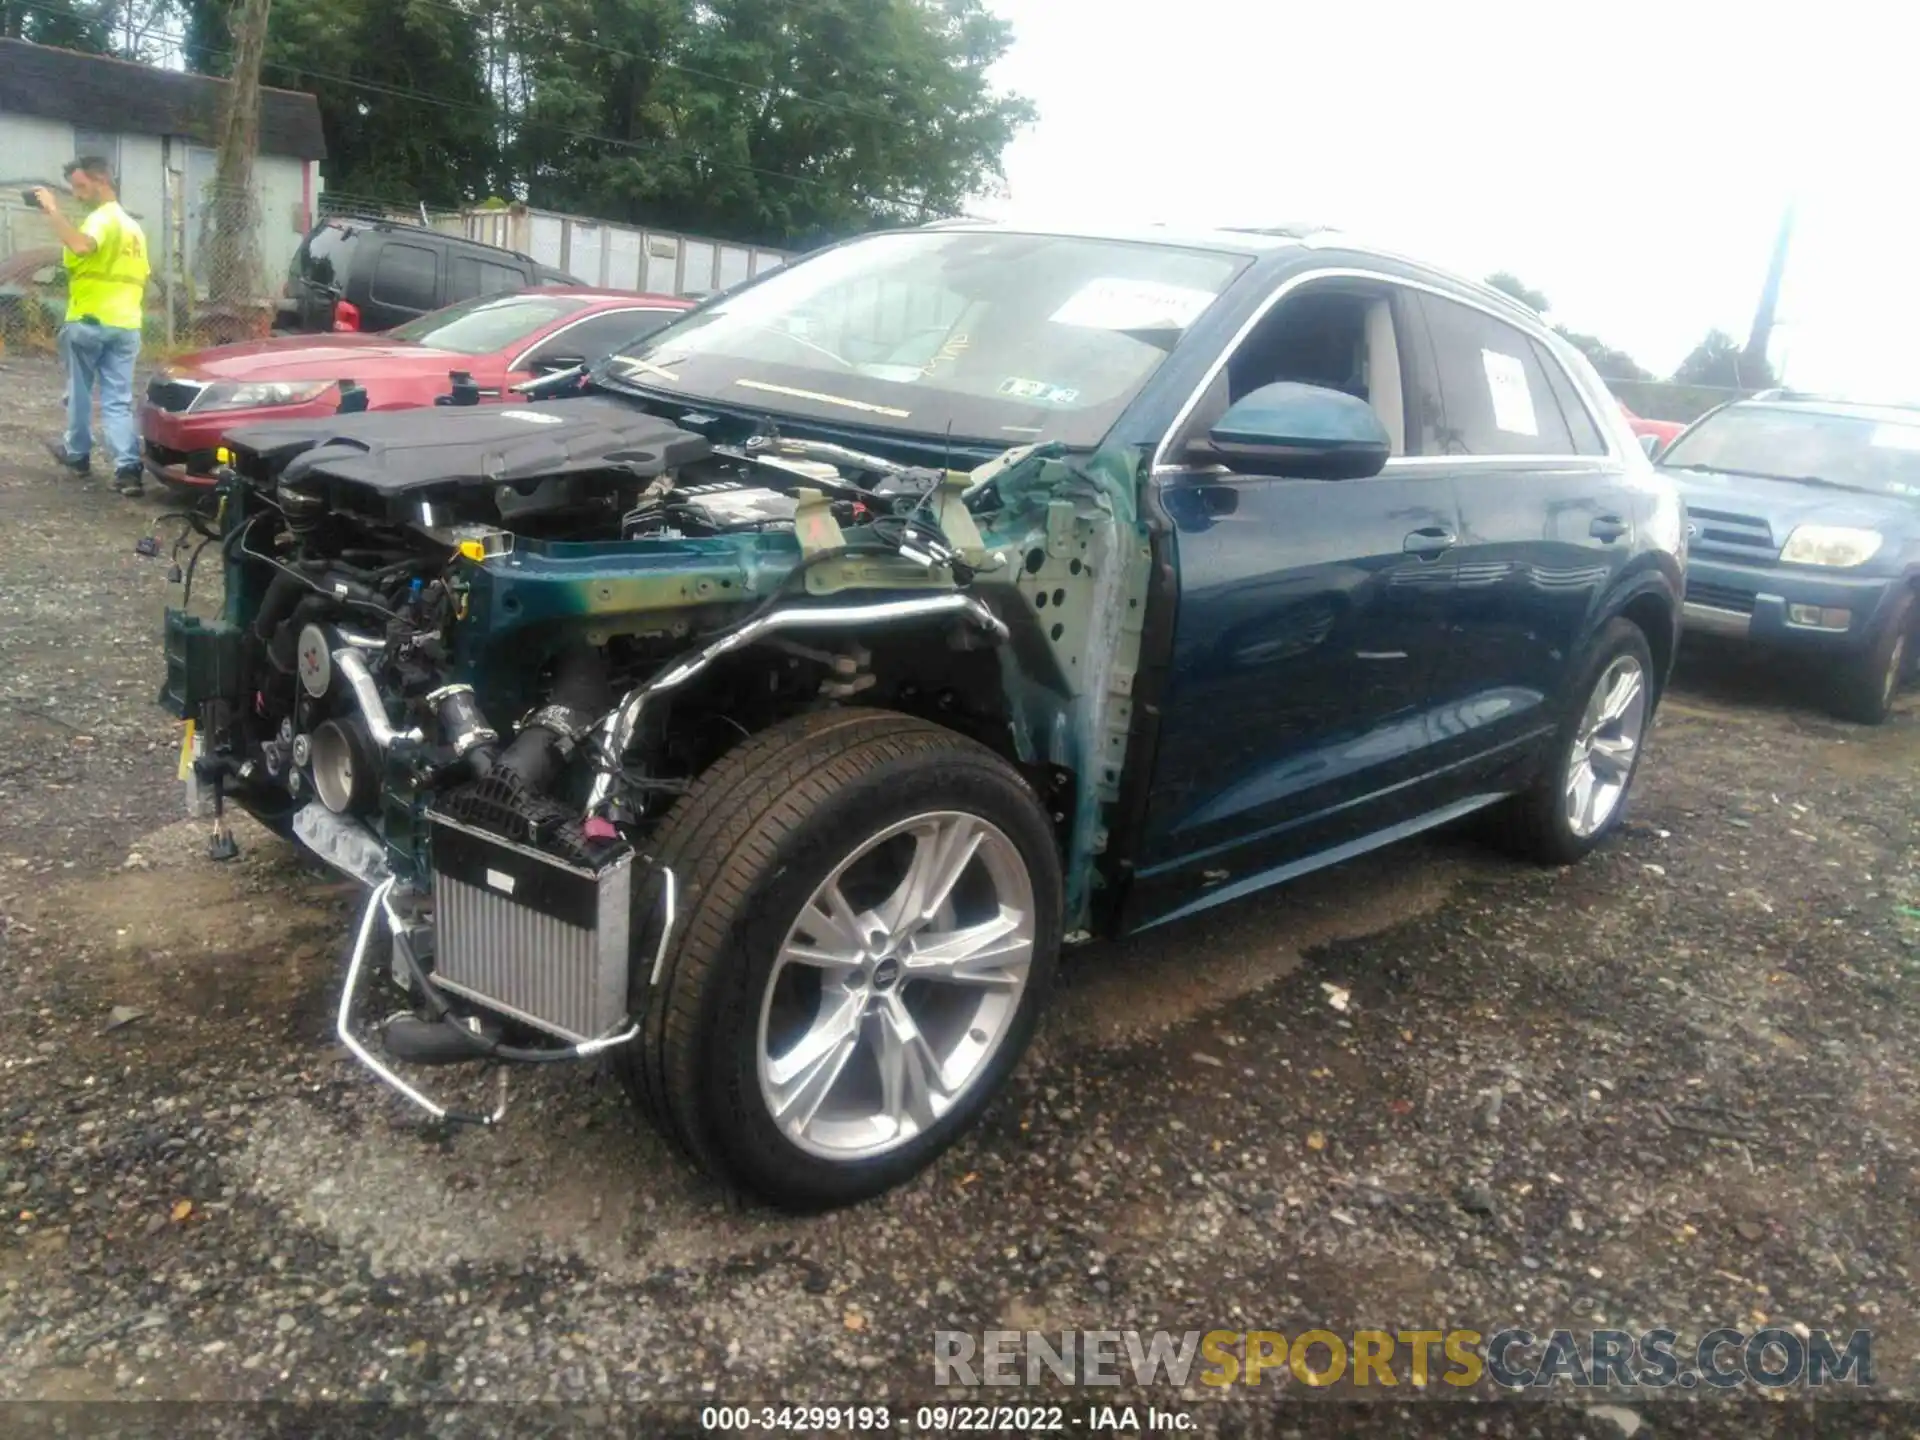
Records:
x=100, y=357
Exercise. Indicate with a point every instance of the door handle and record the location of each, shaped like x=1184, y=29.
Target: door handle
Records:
x=1429, y=540
x=1607, y=527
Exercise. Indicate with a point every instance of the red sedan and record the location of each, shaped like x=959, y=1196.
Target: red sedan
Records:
x=1665, y=431
x=499, y=340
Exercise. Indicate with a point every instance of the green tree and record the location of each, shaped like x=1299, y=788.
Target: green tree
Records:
x=402, y=85
x=1717, y=360
x=1611, y=364
x=71, y=24
x=785, y=121
x=779, y=121
x=1511, y=284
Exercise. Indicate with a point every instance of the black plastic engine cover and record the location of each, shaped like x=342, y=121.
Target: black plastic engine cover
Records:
x=391, y=463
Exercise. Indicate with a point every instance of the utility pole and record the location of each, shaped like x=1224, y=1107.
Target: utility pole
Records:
x=233, y=283
x=1753, y=360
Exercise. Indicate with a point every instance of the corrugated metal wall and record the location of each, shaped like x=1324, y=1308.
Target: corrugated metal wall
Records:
x=622, y=257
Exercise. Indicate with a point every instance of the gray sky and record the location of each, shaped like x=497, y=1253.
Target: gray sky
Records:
x=1603, y=154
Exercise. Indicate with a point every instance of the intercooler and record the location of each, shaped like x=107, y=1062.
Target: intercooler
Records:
x=529, y=935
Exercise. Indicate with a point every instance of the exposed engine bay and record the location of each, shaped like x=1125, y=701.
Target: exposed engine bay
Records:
x=472, y=658
x=365, y=554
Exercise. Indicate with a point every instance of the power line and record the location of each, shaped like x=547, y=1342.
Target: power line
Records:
x=674, y=150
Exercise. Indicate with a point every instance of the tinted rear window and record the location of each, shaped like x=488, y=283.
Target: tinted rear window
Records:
x=471, y=276
x=323, y=259
x=1498, y=400
x=407, y=276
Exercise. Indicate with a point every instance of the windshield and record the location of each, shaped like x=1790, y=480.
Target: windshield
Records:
x=1000, y=338
x=1881, y=455
x=490, y=323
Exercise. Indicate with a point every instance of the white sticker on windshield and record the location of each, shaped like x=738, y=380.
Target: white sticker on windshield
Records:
x=1117, y=303
x=532, y=417
x=1896, y=437
x=1038, y=390
x=1512, y=400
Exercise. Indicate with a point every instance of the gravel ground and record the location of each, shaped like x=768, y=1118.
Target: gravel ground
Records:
x=1674, y=1085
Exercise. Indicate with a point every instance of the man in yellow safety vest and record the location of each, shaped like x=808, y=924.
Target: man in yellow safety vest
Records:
x=106, y=260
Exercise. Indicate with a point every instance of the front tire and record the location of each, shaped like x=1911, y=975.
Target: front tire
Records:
x=870, y=914
x=1868, y=684
x=1581, y=793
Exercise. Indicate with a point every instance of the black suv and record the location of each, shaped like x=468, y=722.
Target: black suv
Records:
x=374, y=274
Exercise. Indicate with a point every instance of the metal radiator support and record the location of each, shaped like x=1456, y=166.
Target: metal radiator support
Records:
x=380, y=914
x=615, y=733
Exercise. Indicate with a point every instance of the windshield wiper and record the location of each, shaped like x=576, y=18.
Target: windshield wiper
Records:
x=550, y=384
x=1764, y=475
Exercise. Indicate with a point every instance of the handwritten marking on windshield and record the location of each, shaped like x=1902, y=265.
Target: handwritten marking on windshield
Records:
x=631, y=363
x=824, y=399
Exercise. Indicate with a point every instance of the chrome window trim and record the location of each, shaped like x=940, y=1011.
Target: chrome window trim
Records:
x=590, y=315
x=1532, y=328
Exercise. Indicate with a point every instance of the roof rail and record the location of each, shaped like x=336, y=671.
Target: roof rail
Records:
x=1296, y=231
x=392, y=222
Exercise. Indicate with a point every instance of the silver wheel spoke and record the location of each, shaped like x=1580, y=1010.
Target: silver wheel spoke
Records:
x=806, y=1074
x=1616, y=753
x=797, y=953
x=942, y=851
x=995, y=952
x=1625, y=691
x=1579, y=793
x=830, y=923
x=909, y=1071
x=1604, y=749
x=896, y=984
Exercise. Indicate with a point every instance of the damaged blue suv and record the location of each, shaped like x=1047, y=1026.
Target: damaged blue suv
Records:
x=1804, y=535
x=763, y=710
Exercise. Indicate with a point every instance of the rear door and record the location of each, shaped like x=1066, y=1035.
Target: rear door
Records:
x=1546, y=528
x=403, y=280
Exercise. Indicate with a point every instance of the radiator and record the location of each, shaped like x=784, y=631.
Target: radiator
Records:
x=530, y=936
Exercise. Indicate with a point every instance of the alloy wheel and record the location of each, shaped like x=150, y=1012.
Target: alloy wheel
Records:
x=896, y=986
x=1605, y=746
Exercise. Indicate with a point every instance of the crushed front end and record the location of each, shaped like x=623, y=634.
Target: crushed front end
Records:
x=473, y=656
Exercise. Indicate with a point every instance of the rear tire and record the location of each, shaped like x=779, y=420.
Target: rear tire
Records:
x=1595, y=755
x=768, y=970
x=1869, y=684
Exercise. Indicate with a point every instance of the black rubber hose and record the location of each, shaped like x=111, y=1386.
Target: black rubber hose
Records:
x=282, y=592
x=580, y=687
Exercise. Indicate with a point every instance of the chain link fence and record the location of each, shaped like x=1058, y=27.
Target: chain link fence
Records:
x=33, y=297
x=233, y=298
x=207, y=283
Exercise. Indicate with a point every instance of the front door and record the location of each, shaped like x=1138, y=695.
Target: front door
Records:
x=1546, y=526
x=1311, y=616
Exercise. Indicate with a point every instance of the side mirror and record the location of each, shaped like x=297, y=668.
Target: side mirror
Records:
x=1651, y=444
x=1300, y=432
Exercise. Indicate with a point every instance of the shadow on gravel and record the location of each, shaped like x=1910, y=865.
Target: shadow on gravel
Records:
x=1738, y=677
